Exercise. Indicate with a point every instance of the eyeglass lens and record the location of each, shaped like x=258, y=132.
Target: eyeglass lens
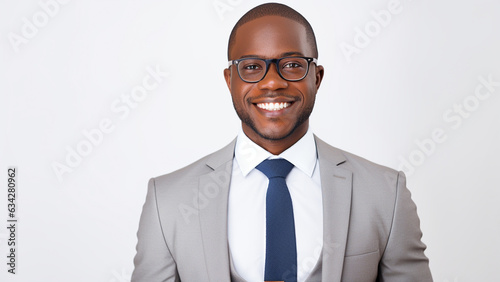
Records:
x=291, y=68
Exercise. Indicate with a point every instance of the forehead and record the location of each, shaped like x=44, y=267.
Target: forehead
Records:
x=270, y=37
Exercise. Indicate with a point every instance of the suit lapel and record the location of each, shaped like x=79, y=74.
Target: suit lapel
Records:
x=213, y=191
x=336, y=186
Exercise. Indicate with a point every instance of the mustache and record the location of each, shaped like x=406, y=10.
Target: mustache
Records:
x=274, y=95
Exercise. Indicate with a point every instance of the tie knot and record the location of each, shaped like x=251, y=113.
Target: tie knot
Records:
x=275, y=168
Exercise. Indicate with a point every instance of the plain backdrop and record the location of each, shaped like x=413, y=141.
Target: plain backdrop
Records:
x=417, y=91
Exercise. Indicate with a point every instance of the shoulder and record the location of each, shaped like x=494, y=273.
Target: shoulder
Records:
x=363, y=170
x=189, y=174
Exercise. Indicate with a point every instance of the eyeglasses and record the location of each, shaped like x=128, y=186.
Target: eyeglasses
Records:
x=289, y=68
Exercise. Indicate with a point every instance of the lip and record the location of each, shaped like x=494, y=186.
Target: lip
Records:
x=280, y=99
x=287, y=100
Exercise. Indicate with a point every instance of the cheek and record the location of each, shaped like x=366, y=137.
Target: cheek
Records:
x=239, y=89
x=308, y=90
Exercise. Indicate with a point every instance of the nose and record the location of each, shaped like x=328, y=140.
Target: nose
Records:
x=272, y=80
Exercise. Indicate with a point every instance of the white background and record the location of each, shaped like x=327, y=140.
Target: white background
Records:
x=63, y=79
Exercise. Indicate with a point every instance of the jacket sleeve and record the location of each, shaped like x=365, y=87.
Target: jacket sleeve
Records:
x=153, y=261
x=404, y=258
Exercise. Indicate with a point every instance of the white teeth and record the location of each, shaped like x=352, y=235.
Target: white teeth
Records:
x=273, y=106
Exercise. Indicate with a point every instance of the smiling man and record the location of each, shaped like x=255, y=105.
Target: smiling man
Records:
x=278, y=204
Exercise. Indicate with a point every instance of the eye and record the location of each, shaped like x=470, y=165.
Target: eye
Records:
x=292, y=65
x=252, y=67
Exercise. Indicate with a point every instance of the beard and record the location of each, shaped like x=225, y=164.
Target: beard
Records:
x=246, y=119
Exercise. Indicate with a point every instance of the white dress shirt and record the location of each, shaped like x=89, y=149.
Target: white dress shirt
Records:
x=247, y=206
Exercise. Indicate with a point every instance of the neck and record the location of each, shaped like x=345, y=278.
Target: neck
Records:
x=274, y=146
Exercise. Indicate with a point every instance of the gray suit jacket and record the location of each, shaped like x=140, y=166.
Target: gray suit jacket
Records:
x=371, y=231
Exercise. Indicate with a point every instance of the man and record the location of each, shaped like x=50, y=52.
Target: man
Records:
x=278, y=204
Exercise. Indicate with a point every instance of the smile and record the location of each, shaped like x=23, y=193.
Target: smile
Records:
x=274, y=106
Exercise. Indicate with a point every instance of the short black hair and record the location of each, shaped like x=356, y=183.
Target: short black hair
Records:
x=274, y=9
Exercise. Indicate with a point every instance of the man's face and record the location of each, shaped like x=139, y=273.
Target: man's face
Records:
x=273, y=37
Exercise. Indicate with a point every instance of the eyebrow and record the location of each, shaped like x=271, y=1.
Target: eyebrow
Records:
x=286, y=54
x=292, y=54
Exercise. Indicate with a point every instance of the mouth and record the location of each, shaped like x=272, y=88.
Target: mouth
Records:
x=272, y=107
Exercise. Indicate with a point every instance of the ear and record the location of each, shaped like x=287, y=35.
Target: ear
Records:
x=227, y=77
x=320, y=72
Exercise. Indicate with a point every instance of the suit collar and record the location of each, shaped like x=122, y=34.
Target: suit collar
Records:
x=216, y=159
x=336, y=186
x=213, y=192
x=329, y=153
x=302, y=154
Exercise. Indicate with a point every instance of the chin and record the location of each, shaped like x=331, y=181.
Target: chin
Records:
x=273, y=135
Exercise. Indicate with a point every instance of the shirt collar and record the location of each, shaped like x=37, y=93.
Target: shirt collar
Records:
x=302, y=154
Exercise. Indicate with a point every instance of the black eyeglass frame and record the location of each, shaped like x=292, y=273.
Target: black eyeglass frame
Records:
x=276, y=63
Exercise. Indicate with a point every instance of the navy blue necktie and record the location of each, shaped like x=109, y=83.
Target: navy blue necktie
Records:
x=281, y=248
